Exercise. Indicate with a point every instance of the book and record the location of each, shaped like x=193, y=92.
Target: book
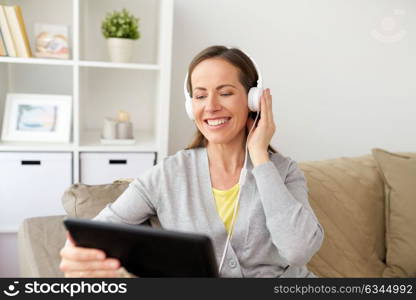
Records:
x=18, y=30
x=7, y=35
x=3, y=51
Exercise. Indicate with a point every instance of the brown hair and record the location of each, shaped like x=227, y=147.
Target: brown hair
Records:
x=247, y=75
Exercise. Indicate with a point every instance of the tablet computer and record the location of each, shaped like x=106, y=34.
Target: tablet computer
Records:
x=146, y=251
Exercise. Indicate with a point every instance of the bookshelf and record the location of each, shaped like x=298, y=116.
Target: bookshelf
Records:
x=141, y=87
x=99, y=87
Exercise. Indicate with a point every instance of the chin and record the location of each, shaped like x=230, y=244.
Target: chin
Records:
x=218, y=141
x=220, y=138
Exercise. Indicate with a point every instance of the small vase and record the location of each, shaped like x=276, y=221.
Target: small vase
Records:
x=124, y=130
x=120, y=50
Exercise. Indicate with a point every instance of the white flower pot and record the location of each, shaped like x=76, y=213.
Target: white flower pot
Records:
x=120, y=50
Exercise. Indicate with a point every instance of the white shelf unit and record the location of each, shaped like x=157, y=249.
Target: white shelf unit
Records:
x=99, y=87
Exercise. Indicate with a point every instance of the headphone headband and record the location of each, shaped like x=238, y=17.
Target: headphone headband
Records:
x=259, y=79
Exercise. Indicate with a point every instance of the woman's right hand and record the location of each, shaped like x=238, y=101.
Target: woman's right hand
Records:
x=86, y=262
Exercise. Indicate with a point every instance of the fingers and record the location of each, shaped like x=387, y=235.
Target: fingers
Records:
x=86, y=262
x=81, y=254
x=93, y=274
x=269, y=104
x=264, y=108
x=89, y=266
x=69, y=240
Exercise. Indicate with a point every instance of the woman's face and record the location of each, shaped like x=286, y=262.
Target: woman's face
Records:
x=219, y=101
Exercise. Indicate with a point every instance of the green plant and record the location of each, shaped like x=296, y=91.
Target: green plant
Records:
x=120, y=24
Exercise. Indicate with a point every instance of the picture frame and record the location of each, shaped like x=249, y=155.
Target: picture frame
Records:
x=37, y=118
x=51, y=41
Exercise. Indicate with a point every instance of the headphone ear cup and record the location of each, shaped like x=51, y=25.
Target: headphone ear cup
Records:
x=188, y=107
x=254, y=95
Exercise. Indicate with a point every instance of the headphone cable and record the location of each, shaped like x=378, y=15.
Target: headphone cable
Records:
x=241, y=181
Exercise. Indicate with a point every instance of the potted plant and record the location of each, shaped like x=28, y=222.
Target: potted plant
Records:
x=121, y=29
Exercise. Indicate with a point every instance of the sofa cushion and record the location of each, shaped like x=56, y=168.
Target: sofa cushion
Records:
x=39, y=241
x=86, y=201
x=347, y=196
x=399, y=174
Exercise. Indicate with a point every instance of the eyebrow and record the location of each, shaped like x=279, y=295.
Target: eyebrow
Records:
x=217, y=88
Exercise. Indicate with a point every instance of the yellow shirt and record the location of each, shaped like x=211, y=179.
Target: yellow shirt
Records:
x=225, y=201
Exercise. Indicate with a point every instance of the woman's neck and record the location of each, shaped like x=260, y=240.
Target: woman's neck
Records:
x=228, y=158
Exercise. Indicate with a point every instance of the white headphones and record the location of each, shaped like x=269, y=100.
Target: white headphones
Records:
x=253, y=97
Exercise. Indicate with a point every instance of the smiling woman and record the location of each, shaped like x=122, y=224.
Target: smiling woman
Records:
x=237, y=74
x=228, y=184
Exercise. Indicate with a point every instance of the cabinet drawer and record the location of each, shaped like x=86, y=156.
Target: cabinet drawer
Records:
x=101, y=168
x=31, y=185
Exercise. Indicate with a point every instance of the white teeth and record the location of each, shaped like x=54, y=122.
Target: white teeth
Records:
x=216, y=122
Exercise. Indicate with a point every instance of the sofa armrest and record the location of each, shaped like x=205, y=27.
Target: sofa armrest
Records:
x=39, y=241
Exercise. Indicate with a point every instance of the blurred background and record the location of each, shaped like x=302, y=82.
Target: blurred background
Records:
x=341, y=72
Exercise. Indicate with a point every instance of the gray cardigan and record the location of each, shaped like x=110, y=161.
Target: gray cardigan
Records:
x=275, y=233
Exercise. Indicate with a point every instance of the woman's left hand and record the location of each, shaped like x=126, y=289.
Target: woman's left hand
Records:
x=259, y=139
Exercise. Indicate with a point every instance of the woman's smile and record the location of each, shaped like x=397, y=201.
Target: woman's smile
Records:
x=216, y=123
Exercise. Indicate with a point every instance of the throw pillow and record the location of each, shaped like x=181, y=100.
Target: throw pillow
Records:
x=86, y=201
x=346, y=194
x=399, y=175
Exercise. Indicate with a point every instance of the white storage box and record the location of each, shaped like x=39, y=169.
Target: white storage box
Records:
x=101, y=168
x=31, y=185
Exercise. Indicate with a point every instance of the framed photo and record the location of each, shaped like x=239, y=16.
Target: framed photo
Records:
x=36, y=117
x=51, y=41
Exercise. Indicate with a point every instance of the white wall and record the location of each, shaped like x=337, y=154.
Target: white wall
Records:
x=342, y=73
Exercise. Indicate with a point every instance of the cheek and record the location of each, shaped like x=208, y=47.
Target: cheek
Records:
x=198, y=112
x=242, y=113
x=240, y=107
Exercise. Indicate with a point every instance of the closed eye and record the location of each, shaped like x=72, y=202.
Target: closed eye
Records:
x=222, y=95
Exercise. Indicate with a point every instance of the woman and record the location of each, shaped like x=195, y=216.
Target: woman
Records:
x=275, y=232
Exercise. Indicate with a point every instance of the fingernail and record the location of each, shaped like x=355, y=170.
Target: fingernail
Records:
x=112, y=263
x=100, y=255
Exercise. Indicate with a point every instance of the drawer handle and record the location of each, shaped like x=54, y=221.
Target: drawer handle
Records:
x=118, y=161
x=30, y=162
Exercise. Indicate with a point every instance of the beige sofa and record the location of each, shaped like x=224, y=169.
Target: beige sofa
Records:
x=347, y=195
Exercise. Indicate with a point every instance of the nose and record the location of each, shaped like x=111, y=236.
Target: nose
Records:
x=212, y=103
